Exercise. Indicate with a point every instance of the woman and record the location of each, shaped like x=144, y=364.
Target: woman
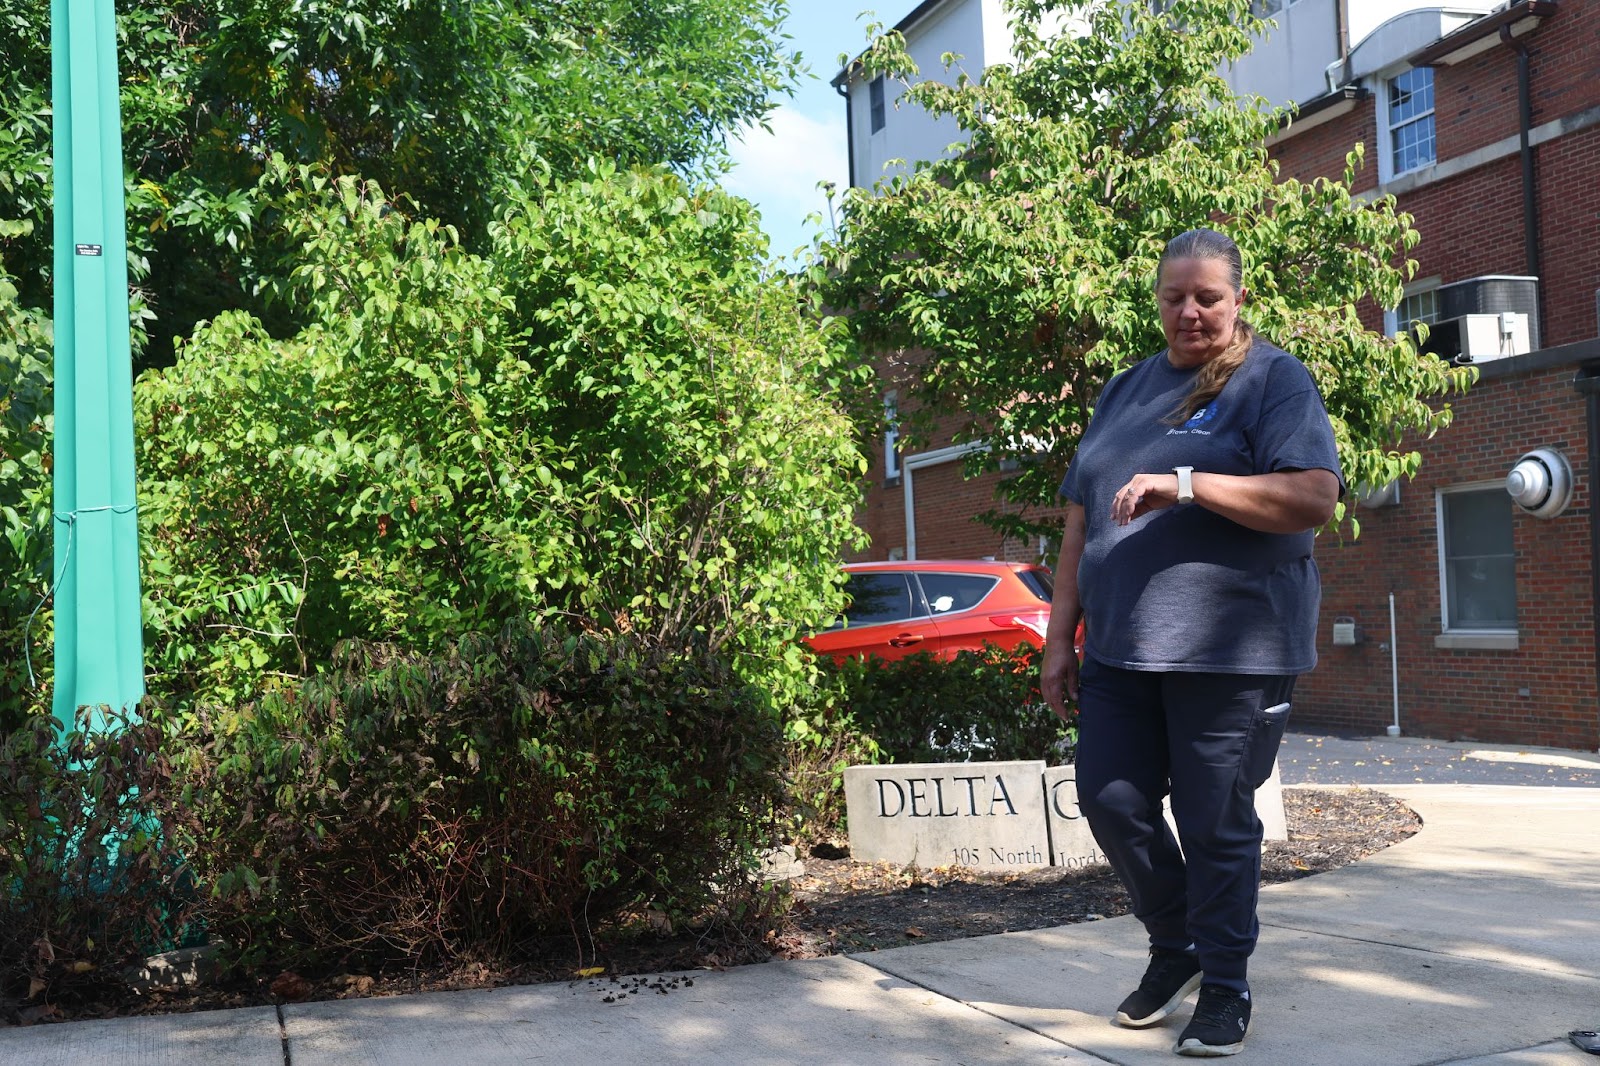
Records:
x=1192, y=503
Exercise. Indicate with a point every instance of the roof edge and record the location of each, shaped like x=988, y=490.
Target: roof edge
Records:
x=1479, y=28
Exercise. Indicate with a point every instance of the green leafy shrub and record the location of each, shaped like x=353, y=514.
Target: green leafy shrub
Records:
x=824, y=737
x=26, y=422
x=510, y=788
x=978, y=706
x=615, y=417
x=88, y=884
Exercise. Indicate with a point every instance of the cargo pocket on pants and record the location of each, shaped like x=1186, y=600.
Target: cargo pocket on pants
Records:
x=1261, y=746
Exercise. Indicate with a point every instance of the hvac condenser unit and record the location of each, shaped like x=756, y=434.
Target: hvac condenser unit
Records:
x=1478, y=338
x=1490, y=295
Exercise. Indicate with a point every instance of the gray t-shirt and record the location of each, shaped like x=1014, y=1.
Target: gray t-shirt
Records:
x=1183, y=588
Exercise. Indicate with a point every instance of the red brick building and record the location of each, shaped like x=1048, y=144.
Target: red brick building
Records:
x=1513, y=660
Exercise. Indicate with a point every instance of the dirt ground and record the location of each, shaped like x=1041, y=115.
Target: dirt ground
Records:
x=838, y=906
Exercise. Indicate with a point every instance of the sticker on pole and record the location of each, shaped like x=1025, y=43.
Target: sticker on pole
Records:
x=88, y=249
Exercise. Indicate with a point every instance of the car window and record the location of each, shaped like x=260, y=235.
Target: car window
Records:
x=948, y=593
x=1040, y=582
x=876, y=598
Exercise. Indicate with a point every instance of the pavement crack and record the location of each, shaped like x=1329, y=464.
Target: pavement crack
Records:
x=283, y=1034
x=989, y=1013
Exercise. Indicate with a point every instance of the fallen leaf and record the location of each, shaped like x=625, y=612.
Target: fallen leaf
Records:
x=591, y=971
x=31, y=1015
x=914, y=932
x=290, y=986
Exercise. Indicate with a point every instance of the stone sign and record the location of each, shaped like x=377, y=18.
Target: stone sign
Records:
x=945, y=814
x=1071, y=842
x=996, y=814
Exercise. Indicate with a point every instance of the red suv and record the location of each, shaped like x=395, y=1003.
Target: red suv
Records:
x=938, y=606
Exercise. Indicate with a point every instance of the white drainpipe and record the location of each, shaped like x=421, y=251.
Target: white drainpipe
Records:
x=916, y=462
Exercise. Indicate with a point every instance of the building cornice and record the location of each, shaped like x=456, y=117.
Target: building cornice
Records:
x=1313, y=113
x=1483, y=33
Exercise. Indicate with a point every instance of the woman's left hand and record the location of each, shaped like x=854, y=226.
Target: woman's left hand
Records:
x=1145, y=493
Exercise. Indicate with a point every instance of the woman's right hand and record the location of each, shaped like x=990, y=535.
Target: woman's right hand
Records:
x=1058, y=677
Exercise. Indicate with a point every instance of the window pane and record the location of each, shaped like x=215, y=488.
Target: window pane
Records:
x=1483, y=593
x=876, y=598
x=1418, y=307
x=955, y=592
x=1410, y=95
x=1477, y=523
x=1040, y=582
x=1480, y=561
x=1411, y=128
x=875, y=94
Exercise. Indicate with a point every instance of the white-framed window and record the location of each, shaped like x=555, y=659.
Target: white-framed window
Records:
x=1477, y=560
x=1406, y=111
x=891, y=437
x=877, y=106
x=1419, y=304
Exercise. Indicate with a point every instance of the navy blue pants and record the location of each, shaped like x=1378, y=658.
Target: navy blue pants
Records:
x=1203, y=740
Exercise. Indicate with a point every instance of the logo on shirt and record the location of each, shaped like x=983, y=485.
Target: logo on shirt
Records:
x=1198, y=421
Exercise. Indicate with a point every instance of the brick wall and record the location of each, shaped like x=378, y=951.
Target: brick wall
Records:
x=1471, y=224
x=1543, y=692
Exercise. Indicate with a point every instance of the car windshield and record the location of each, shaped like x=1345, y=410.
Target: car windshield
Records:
x=1039, y=582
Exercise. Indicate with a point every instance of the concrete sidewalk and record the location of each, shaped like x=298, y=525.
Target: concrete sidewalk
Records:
x=1476, y=941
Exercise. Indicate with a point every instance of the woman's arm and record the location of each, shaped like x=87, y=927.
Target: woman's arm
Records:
x=1058, y=675
x=1285, y=501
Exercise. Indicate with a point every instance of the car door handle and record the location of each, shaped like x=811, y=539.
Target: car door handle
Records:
x=905, y=640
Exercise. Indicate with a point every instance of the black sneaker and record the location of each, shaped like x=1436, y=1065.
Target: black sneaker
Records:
x=1221, y=1019
x=1170, y=977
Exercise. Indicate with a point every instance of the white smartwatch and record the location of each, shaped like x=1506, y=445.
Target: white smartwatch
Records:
x=1185, y=483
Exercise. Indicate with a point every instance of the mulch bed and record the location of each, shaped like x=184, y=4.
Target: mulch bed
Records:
x=845, y=906
x=838, y=906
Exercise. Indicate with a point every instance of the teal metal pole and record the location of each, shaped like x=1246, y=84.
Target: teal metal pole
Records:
x=99, y=649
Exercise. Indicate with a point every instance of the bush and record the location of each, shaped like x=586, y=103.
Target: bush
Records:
x=824, y=738
x=457, y=807
x=980, y=705
x=88, y=883
x=616, y=416
x=26, y=425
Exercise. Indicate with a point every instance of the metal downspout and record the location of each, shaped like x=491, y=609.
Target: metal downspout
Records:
x=1587, y=383
x=843, y=89
x=1341, y=24
x=1530, y=205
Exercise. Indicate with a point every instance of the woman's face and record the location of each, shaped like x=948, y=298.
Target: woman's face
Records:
x=1198, y=309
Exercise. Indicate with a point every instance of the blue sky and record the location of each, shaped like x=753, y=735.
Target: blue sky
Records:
x=780, y=171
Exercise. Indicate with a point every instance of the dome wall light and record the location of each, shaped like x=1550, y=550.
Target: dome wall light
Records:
x=1541, y=483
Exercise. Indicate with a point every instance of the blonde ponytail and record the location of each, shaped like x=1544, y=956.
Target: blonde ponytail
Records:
x=1214, y=374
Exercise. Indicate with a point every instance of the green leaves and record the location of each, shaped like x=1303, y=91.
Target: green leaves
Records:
x=454, y=440
x=1022, y=268
x=447, y=102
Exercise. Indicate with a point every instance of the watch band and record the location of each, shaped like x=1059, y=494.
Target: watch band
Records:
x=1185, y=483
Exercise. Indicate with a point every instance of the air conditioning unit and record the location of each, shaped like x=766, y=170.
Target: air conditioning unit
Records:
x=1490, y=295
x=1479, y=338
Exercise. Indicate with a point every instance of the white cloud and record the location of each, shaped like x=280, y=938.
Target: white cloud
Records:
x=779, y=171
